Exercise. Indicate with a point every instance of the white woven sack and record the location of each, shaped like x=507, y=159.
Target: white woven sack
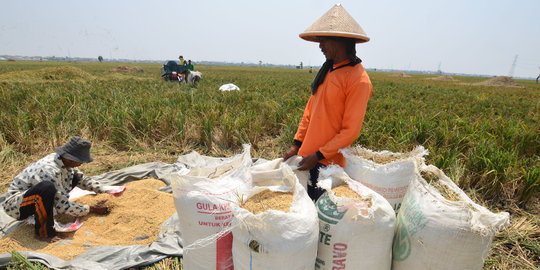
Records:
x=436, y=233
x=229, y=87
x=195, y=164
x=392, y=179
x=203, y=197
x=274, y=239
x=353, y=235
x=303, y=176
x=270, y=173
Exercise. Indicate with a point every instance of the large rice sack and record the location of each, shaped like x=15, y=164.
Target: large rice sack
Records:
x=203, y=195
x=276, y=226
x=440, y=227
x=195, y=164
x=356, y=225
x=387, y=173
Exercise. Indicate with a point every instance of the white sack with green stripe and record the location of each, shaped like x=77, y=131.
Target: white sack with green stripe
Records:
x=440, y=227
x=353, y=234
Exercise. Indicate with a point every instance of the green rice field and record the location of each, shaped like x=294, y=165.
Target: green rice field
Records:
x=486, y=138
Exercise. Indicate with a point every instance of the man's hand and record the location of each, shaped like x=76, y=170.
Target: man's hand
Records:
x=293, y=150
x=100, y=208
x=308, y=163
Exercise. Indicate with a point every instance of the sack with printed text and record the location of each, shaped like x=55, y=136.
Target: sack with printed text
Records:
x=203, y=193
x=440, y=227
x=387, y=173
x=276, y=226
x=356, y=225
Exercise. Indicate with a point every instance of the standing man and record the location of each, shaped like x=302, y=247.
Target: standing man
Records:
x=182, y=61
x=45, y=185
x=190, y=66
x=340, y=92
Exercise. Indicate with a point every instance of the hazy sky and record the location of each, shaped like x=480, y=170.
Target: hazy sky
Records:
x=462, y=36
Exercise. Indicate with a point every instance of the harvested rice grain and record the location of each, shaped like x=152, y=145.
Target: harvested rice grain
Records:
x=268, y=200
x=135, y=219
x=383, y=159
x=346, y=191
x=433, y=180
x=379, y=157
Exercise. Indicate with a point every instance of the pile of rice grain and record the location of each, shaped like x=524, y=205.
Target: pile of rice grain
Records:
x=135, y=218
x=378, y=157
x=347, y=192
x=269, y=200
x=446, y=192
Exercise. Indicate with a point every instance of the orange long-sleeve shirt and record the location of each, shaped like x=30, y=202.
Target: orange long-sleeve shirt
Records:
x=333, y=116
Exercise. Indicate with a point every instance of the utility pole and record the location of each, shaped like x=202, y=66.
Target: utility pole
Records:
x=511, y=73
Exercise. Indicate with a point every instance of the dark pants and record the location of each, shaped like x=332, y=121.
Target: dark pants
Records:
x=315, y=192
x=38, y=201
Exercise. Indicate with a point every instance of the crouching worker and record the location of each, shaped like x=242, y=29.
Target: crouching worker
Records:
x=45, y=185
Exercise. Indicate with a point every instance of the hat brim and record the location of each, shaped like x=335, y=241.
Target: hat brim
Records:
x=314, y=36
x=61, y=152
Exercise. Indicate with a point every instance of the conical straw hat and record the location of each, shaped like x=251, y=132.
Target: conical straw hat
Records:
x=336, y=22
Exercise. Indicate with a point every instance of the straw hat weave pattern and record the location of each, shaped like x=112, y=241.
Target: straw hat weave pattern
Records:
x=336, y=22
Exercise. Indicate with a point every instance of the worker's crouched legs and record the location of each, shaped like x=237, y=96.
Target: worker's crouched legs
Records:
x=315, y=192
x=38, y=201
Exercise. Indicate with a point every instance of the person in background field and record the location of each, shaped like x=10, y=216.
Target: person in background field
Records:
x=190, y=66
x=182, y=61
x=45, y=185
x=340, y=92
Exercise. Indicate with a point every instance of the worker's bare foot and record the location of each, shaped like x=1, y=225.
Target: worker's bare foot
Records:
x=51, y=239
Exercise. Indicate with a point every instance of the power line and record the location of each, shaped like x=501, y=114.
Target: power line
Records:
x=511, y=73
